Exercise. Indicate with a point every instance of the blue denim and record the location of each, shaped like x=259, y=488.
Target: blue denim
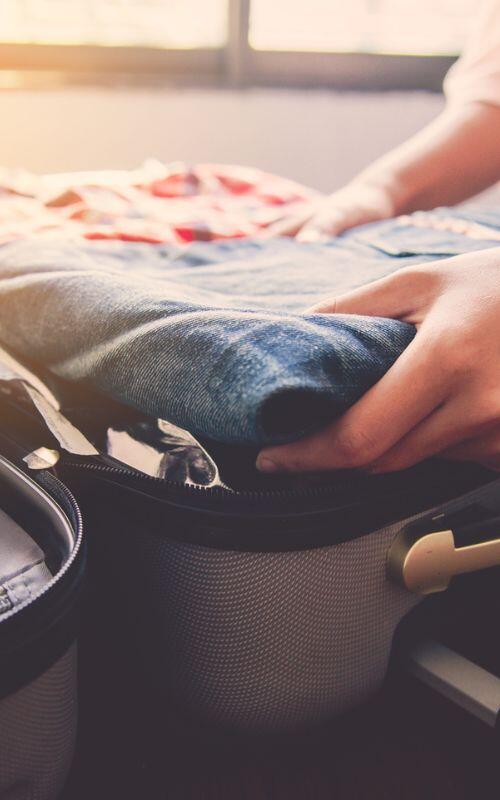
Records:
x=213, y=337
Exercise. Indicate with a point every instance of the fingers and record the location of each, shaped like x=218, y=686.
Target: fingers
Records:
x=314, y=222
x=383, y=416
x=323, y=226
x=443, y=429
x=290, y=225
x=485, y=449
x=399, y=296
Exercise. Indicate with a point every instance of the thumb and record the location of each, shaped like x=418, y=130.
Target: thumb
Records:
x=397, y=296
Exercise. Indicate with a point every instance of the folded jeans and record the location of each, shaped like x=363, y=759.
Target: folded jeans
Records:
x=213, y=336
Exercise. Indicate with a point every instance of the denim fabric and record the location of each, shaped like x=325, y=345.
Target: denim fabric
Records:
x=212, y=337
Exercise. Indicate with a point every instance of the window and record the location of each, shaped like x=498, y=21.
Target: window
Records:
x=416, y=27
x=150, y=23
x=345, y=43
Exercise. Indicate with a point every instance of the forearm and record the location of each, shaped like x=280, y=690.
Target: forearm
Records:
x=453, y=158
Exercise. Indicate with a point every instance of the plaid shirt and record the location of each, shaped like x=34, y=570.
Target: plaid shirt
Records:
x=157, y=203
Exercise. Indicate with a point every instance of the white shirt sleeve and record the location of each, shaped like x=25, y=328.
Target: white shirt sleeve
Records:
x=475, y=77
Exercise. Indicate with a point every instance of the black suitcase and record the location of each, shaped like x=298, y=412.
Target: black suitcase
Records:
x=254, y=604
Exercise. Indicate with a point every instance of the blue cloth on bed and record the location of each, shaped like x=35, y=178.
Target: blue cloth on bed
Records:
x=212, y=337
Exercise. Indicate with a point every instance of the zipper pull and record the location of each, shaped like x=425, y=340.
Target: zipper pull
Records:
x=42, y=458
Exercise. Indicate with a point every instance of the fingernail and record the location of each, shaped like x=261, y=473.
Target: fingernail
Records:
x=265, y=464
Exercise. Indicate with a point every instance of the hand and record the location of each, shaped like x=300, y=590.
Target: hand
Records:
x=442, y=395
x=355, y=204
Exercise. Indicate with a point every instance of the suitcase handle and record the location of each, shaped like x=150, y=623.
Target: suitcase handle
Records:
x=426, y=563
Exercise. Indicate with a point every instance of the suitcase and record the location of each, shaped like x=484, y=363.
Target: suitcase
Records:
x=255, y=603
x=41, y=569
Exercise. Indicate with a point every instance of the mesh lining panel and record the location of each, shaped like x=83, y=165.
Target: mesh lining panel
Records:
x=265, y=640
x=37, y=733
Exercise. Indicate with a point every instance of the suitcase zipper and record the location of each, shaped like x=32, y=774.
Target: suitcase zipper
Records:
x=398, y=492
x=398, y=486
x=217, y=492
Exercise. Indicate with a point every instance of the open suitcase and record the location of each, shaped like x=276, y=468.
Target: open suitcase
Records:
x=254, y=604
x=41, y=569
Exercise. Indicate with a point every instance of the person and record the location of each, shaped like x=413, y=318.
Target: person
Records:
x=442, y=396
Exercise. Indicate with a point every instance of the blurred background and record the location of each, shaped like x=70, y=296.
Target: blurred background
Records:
x=311, y=89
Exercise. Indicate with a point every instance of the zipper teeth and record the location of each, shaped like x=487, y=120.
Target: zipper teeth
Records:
x=73, y=555
x=207, y=491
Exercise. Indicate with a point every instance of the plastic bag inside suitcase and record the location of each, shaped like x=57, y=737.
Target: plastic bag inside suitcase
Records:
x=256, y=603
x=41, y=563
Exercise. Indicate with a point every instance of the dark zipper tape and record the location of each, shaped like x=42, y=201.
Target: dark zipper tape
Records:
x=36, y=635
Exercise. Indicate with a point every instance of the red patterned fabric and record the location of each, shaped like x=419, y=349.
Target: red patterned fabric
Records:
x=157, y=203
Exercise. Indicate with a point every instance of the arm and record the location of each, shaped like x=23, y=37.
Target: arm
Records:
x=453, y=158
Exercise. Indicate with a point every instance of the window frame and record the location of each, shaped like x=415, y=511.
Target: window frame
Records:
x=236, y=64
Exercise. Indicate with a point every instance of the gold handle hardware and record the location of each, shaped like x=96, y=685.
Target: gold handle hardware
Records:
x=426, y=564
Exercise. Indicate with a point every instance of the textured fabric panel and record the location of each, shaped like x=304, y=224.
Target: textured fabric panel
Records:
x=37, y=734
x=263, y=640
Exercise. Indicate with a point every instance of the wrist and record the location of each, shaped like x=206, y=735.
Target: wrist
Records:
x=397, y=192
x=384, y=190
